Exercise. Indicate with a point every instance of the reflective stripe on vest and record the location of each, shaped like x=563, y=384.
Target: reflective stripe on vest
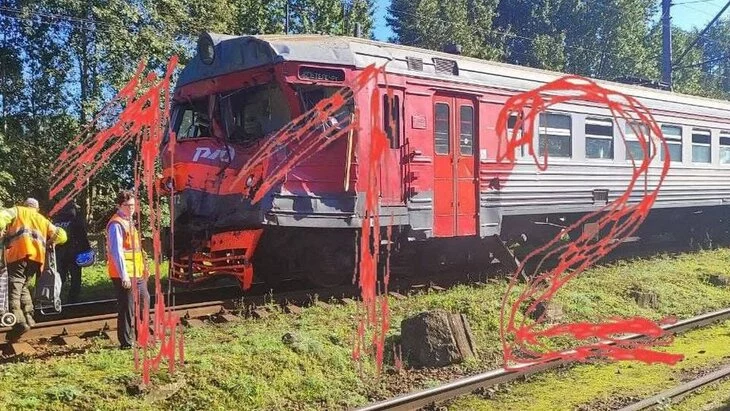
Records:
x=133, y=261
x=26, y=236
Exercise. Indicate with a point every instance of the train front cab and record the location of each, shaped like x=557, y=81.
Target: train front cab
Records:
x=308, y=223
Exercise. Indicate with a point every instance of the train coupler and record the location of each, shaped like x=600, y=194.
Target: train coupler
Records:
x=228, y=253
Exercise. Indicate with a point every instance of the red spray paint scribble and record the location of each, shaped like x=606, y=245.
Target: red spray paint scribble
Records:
x=141, y=123
x=521, y=341
x=371, y=317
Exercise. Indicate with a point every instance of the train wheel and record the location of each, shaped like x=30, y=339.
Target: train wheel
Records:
x=7, y=320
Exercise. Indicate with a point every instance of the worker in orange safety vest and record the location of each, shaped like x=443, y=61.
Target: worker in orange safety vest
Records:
x=126, y=264
x=27, y=233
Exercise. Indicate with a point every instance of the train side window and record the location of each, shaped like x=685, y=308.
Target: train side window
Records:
x=725, y=147
x=555, y=135
x=391, y=119
x=192, y=120
x=466, y=131
x=441, y=129
x=673, y=135
x=515, y=136
x=701, y=150
x=633, y=146
x=599, y=138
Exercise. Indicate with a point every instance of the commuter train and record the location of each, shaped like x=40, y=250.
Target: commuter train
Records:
x=439, y=190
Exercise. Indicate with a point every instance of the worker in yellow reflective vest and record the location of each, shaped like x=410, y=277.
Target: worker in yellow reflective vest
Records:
x=126, y=264
x=27, y=233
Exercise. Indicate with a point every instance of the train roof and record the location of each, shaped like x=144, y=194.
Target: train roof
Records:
x=245, y=52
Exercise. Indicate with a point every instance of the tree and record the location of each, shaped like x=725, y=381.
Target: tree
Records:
x=715, y=63
x=435, y=24
x=599, y=38
x=334, y=17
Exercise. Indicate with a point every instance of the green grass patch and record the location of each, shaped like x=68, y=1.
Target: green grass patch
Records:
x=304, y=362
x=585, y=384
x=713, y=397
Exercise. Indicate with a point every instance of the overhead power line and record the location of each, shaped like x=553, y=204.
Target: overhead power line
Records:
x=717, y=16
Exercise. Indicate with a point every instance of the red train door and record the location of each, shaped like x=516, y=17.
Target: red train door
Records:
x=455, y=200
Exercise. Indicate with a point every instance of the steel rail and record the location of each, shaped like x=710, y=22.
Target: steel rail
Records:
x=105, y=322
x=88, y=309
x=488, y=379
x=680, y=391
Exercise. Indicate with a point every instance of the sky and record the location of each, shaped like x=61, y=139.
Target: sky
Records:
x=685, y=14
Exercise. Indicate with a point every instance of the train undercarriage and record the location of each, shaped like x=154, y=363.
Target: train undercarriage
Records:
x=329, y=257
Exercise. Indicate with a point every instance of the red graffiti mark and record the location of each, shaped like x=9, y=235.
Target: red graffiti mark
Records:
x=140, y=122
x=524, y=342
x=371, y=317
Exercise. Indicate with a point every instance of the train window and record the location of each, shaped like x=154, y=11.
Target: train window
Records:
x=191, y=120
x=391, y=119
x=673, y=136
x=724, y=147
x=466, y=133
x=251, y=113
x=701, y=151
x=515, y=137
x=633, y=146
x=441, y=129
x=555, y=135
x=599, y=138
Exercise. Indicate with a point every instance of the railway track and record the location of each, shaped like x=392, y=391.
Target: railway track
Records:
x=680, y=391
x=108, y=306
x=488, y=379
x=69, y=331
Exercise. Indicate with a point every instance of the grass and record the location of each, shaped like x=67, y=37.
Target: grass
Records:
x=566, y=390
x=712, y=397
x=248, y=365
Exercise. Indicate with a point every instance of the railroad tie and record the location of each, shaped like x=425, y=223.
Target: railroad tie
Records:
x=260, y=313
x=227, y=318
x=112, y=337
x=293, y=309
x=193, y=322
x=71, y=341
x=22, y=349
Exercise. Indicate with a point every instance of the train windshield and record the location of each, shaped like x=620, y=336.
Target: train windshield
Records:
x=191, y=120
x=241, y=116
x=249, y=114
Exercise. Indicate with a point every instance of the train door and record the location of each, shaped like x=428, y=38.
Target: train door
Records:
x=455, y=199
x=391, y=186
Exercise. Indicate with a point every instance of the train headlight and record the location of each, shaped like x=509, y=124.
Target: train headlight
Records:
x=249, y=181
x=206, y=48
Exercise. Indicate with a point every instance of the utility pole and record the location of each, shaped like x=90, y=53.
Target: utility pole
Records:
x=666, y=43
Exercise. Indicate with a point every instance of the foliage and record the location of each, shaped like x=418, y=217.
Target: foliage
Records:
x=436, y=24
x=607, y=39
x=62, y=60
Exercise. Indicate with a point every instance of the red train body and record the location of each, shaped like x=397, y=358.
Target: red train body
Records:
x=438, y=177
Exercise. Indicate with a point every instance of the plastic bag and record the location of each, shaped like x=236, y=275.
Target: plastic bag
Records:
x=48, y=285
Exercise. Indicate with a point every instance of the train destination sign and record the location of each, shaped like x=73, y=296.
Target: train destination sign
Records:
x=319, y=73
